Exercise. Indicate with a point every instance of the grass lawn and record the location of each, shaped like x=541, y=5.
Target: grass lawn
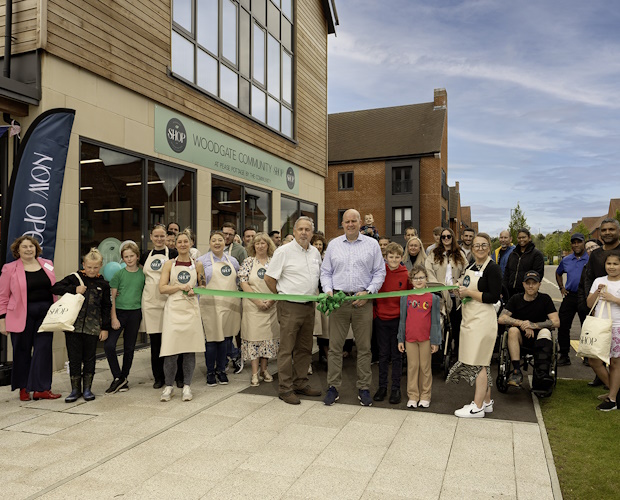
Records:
x=585, y=442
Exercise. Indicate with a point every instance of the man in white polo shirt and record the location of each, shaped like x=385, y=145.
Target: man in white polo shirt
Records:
x=295, y=269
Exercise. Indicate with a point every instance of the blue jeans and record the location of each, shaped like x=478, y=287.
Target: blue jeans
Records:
x=215, y=356
x=232, y=352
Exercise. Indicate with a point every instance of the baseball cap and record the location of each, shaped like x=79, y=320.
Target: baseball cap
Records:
x=531, y=275
x=577, y=236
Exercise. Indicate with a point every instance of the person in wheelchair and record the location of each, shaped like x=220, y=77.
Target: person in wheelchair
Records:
x=530, y=317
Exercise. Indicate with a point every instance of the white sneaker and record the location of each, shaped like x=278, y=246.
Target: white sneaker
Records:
x=488, y=407
x=167, y=394
x=187, y=393
x=470, y=411
x=424, y=404
x=412, y=404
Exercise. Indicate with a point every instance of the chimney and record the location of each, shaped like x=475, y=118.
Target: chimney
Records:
x=457, y=186
x=441, y=99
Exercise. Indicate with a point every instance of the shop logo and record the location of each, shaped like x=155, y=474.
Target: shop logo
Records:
x=466, y=281
x=290, y=177
x=156, y=264
x=176, y=135
x=261, y=273
x=184, y=277
x=226, y=270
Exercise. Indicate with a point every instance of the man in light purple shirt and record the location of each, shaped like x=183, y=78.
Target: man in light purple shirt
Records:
x=353, y=264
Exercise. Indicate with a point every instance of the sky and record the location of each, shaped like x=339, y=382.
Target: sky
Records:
x=533, y=96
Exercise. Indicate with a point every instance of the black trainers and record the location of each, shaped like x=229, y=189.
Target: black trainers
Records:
x=115, y=386
x=516, y=378
x=380, y=394
x=395, y=396
x=607, y=405
x=238, y=364
x=124, y=387
x=222, y=378
x=211, y=381
x=332, y=396
x=364, y=396
x=564, y=360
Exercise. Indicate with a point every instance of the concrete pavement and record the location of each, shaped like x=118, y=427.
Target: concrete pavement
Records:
x=224, y=444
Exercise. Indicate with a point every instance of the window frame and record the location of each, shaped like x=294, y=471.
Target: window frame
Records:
x=299, y=201
x=405, y=223
x=249, y=82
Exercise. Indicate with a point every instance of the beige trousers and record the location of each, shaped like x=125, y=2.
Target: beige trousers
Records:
x=419, y=374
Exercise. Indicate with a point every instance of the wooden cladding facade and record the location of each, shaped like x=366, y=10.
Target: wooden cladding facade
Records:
x=128, y=43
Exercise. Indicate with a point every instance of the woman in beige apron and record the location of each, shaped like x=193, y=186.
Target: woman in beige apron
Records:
x=221, y=316
x=182, y=328
x=152, y=301
x=482, y=285
x=260, y=330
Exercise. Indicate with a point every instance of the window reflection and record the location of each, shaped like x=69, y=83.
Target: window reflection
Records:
x=259, y=55
x=226, y=205
x=258, y=104
x=207, y=72
x=206, y=24
x=273, y=67
x=228, y=85
x=229, y=31
x=182, y=57
x=182, y=13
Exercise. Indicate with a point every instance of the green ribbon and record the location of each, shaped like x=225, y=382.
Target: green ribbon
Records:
x=326, y=303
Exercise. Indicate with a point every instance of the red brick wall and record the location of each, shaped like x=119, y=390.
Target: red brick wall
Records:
x=367, y=196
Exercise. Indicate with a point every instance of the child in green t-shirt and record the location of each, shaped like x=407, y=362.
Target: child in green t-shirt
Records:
x=126, y=288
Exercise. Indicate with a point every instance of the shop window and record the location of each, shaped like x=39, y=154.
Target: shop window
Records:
x=401, y=180
x=123, y=194
x=291, y=209
x=240, y=52
x=226, y=206
x=345, y=181
x=401, y=219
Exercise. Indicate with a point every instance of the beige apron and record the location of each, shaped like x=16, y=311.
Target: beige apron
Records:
x=182, y=328
x=152, y=301
x=479, y=325
x=221, y=316
x=257, y=325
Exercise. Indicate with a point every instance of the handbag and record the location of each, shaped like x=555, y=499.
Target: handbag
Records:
x=62, y=314
x=595, y=338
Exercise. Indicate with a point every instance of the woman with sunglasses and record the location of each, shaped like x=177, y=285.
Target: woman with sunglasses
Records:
x=482, y=285
x=445, y=265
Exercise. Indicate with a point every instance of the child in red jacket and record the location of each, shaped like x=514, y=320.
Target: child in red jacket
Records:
x=387, y=318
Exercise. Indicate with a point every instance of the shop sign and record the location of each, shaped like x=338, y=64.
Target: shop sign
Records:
x=189, y=140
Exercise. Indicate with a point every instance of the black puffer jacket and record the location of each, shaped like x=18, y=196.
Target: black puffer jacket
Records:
x=95, y=313
x=520, y=263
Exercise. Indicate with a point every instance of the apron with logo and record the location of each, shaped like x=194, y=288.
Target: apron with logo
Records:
x=182, y=328
x=479, y=325
x=152, y=301
x=221, y=316
x=257, y=325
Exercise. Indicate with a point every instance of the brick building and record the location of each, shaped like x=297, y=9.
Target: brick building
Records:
x=393, y=163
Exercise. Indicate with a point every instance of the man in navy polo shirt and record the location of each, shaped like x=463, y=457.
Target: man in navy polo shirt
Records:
x=572, y=265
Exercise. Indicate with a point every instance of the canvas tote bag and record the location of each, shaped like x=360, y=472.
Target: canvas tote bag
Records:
x=62, y=314
x=595, y=338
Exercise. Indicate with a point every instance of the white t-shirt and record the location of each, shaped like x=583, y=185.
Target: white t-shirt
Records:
x=613, y=287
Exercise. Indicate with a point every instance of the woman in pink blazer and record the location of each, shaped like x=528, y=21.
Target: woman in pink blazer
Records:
x=25, y=296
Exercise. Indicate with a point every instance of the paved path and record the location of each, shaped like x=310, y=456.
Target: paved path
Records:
x=229, y=445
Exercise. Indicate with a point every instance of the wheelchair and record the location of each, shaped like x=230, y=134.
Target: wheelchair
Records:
x=544, y=380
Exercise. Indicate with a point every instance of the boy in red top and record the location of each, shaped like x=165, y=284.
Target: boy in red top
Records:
x=387, y=317
x=419, y=333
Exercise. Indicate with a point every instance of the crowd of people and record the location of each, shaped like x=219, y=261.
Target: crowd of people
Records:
x=159, y=292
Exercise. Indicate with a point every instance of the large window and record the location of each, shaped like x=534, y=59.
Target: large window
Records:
x=291, y=209
x=227, y=206
x=123, y=194
x=240, y=52
x=401, y=219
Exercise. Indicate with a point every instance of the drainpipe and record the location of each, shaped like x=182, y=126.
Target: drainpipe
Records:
x=8, y=28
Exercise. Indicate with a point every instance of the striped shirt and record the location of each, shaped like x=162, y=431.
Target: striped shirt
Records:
x=353, y=266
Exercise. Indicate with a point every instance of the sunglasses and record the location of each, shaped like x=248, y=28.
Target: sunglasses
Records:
x=446, y=236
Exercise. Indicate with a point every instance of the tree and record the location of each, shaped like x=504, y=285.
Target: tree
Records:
x=617, y=217
x=552, y=245
x=565, y=242
x=517, y=221
x=581, y=228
